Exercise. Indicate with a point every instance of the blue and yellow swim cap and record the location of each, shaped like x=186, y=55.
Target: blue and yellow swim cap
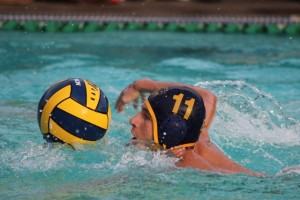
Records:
x=178, y=115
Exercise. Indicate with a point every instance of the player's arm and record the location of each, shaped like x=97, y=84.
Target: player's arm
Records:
x=133, y=91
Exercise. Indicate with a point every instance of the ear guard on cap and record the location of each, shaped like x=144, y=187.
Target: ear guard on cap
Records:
x=172, y=131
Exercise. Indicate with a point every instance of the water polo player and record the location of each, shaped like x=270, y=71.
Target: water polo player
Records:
x=177, y=117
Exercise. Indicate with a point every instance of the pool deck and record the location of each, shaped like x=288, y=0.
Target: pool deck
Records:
x=135, y=9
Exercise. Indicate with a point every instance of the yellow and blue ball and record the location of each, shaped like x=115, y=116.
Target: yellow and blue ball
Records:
x=74, y=111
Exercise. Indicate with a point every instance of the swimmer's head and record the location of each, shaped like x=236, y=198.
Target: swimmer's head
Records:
x=178, y=115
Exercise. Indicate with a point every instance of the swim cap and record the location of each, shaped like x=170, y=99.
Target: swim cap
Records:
x=178, y=114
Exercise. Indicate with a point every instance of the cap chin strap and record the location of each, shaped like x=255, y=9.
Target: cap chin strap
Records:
x=155, y=129
x=186, y=145
x=156, y=146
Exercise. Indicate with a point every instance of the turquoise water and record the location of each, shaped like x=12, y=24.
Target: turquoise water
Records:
x=256, y=79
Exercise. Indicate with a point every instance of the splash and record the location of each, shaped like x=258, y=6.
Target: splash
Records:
x=137, y=158
x=243, y=111
x=34, y=157
x=289, y=170
x=252, y=128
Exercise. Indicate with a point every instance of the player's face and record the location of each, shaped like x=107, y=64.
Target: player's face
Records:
x=142, y=125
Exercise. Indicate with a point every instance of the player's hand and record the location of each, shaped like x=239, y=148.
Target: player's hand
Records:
x=129, y=94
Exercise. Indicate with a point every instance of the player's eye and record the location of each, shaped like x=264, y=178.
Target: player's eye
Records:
x=145, y=114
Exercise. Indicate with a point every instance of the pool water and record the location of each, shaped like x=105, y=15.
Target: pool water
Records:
x=256, y=79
